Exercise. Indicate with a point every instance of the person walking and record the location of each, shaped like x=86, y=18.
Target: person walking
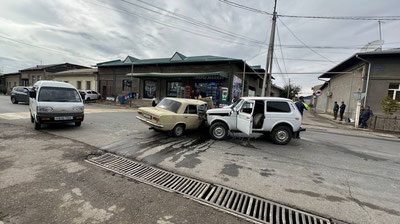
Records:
x=365, y=116
x=154, y=101
x=335, y=110
x=342, y=109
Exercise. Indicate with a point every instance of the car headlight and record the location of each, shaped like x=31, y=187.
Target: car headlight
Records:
x=78, y=109
x=45, y=109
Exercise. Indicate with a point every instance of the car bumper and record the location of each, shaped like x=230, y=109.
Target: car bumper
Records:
x=51, y=118
x=149, y=122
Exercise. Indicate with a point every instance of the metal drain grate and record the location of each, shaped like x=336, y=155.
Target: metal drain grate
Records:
x=253, y=208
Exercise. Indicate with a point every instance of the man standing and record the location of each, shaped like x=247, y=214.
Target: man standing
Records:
x=342, y=109
x=335, y=110
x=365, y=116
x=301, y=105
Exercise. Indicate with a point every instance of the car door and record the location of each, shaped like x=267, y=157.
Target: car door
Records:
x=25, y=96
x=191, y=117
x=244, y=119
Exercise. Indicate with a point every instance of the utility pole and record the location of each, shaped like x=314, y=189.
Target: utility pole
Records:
x=380, y=30
x=244, y=77
x=288, y=92
x=130, y=100
x=268, y=66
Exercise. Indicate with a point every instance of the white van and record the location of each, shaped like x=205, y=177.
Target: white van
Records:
x=55, y=102
x=275, y=117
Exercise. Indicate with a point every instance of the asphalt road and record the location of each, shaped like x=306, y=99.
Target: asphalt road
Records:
x=347, y=175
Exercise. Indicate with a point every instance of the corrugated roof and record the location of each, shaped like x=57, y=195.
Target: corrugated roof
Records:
x=342, y=66
x=193, y=59
x=175, y=74
x=84, y=71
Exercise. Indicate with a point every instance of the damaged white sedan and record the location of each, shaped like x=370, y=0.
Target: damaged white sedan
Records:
x=275, y=117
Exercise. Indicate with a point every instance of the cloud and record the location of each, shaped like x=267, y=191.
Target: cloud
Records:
x=89, y=31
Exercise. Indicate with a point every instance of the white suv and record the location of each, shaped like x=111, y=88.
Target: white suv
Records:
x=276, y=117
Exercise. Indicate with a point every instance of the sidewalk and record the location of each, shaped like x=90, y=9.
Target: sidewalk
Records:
x=325, y=122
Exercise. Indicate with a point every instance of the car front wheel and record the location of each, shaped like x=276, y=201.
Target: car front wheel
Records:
x=13, y=100
x=281, y=135
x=178, y=130
x=219, y=131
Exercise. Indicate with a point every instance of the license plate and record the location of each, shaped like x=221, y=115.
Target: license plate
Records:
x=147, y=116
x=63, y=118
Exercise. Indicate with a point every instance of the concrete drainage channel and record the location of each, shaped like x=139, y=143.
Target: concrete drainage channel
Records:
x=244, y=205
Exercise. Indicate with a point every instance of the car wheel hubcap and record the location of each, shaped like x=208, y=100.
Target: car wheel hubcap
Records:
x=179, y=130
x=219, y=132
x=281, y=135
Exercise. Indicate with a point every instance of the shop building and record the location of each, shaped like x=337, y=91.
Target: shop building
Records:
x=179, y=76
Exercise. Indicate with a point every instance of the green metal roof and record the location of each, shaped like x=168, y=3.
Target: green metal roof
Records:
x=194, y=59
x=175, y=74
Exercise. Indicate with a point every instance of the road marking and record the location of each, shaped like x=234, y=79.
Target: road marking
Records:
x=26, y=115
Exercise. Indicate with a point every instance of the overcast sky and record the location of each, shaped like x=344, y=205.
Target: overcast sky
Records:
x=90, y=31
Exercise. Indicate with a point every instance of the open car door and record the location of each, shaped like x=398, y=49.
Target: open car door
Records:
x=245, y=118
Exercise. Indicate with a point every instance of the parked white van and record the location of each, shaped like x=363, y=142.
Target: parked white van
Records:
x=276, y=117
x=55, y=102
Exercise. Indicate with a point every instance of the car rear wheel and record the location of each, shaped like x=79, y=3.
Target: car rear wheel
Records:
x=178, y=130
x=78, y=123
x=281, y=135
x=37, y=126
x=219, y=131
x=13, y=100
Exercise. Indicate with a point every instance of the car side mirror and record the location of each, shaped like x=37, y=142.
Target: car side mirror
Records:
x=32, y=94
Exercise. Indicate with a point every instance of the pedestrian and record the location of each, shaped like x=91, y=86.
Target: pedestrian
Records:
x=365, y=116
x=342, y=109
x=335, y=110
x=301, y=105
x=154, y=101
x=361, y=115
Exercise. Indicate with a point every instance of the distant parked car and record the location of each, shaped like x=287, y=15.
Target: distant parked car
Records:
x=174, y=114
x=90, y=95
x=20, y=94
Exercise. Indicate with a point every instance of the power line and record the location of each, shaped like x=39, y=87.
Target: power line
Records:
x=192, y=21
x=46, y=48
x=237, y=5
x=295, y=36
x=172, y=26
x=283, y=58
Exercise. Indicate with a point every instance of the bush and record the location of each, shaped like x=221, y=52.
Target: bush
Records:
x=389, y=105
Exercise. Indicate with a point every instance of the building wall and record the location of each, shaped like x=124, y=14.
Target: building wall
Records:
x=116, y=75
x=11, y=82
x=73, y=79
x=342, y=87
x=383, y=72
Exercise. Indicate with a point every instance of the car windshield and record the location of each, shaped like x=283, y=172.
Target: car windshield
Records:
x=170, y=105
x=235, y=106
x=57, y=94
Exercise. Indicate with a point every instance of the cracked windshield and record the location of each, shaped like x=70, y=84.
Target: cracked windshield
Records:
x=200, y=111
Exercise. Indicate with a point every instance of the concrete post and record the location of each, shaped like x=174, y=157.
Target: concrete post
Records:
x=357, y=118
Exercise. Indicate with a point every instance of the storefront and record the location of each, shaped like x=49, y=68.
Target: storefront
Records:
x=183, y=85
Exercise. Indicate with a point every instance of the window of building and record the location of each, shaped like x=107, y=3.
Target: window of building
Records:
x=88, y=85
x=175, y=89
x=278, y=107
x=126, y=85
x=39, y=78
x=394, y=91
x=79, y=84
x=191, y=109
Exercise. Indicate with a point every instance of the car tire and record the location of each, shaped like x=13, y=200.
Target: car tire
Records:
x=13, y=100
x=178, y=130
x=78, y=123
x=219, y=131
x=281, y=135
x=88, y=99
x=37, y=126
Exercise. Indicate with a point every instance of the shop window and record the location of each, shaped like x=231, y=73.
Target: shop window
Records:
x=79, y=84
x=394, y=91
x=126, y=85
x=278, y=107
x=175, y=89
x=191, y=109
x=88, y=85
